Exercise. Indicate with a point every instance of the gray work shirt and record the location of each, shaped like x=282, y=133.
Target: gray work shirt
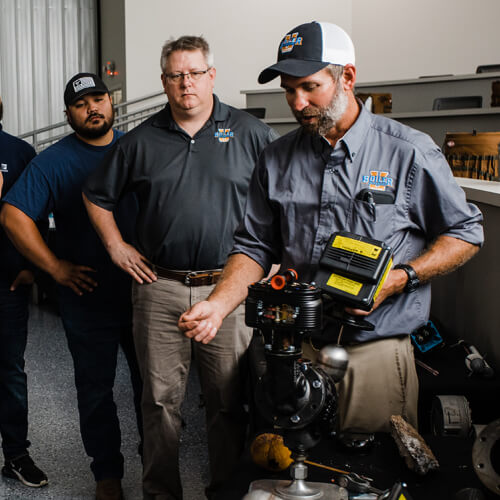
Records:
x=191, y=190
x=303, y=190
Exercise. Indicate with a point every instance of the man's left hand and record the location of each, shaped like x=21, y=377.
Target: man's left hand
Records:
x=25, y=277
x=394, y=283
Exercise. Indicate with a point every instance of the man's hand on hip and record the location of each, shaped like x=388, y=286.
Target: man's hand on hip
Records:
x=74, y=277
x=201, y=322
x=132, y=262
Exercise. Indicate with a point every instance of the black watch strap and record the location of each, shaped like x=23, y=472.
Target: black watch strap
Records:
x=413, y=282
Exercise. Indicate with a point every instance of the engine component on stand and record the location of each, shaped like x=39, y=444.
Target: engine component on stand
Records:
x=298, y=399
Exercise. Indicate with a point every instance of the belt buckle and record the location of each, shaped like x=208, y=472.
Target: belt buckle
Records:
x=189, y=276
x=187, y=279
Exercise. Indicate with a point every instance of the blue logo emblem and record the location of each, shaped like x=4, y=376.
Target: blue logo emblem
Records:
x=377, y=180
x=289, y=42
x=224, y=134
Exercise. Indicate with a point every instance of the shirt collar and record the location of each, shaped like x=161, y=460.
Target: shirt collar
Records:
x=355, y=137
x=164, y=118
x=352, y=140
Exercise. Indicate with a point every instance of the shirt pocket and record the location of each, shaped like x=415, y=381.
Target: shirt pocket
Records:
x=377, y=221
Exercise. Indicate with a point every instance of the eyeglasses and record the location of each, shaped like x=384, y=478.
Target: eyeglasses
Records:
x=193, y=75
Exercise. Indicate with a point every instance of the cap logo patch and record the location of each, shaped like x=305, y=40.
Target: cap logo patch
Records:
x=377, y=180
x=83, y=83
x=289, y=42
x=3, y=167
x=224, y=134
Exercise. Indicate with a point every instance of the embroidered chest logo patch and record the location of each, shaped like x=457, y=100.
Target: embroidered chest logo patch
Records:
x=3, y=167
x=224, y=134
x=289, y=42
x=378, y=180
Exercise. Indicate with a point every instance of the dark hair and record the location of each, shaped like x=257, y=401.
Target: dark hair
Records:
x=185, y=43
x=1, y=109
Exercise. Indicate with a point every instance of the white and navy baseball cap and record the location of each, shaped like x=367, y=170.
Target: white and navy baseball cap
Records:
x=83, y=84
x=309, y=48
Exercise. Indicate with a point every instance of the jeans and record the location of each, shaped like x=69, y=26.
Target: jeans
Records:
x=13, y=388
x=93, y=341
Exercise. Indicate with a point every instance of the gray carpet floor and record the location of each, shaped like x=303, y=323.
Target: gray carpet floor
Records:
x=54, y=433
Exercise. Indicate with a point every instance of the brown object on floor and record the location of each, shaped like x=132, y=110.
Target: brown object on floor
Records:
x=412, y=447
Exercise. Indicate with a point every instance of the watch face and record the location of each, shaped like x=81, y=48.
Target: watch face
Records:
x=412, y=285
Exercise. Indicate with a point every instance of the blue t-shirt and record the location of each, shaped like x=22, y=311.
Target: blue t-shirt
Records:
x=15, y=154
x=52, y=182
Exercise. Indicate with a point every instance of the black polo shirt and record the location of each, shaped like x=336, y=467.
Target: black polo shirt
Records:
x=191, y=190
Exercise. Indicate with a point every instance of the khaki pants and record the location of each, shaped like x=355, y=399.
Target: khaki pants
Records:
x=164, y=356
x=381, y=380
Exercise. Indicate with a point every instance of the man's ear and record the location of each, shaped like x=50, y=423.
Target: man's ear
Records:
x=349, y=77
x=68, y=116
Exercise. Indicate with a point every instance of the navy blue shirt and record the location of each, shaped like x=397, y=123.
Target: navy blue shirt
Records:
x=15, y=154
x=52, y=183
x=303, y=190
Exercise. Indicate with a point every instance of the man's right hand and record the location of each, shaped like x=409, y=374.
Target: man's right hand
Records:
x=201, y=322
x=127, y=257
x=74, y=276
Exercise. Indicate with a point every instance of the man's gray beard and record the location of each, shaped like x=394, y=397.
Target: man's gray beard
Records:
x=329, y=115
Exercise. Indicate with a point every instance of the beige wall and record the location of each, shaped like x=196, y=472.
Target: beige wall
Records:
x=394, y=39
x=244, y=36
x=398, y=39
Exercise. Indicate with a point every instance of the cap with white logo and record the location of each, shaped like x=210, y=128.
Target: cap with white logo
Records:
x=309, y=48
x=83, y=84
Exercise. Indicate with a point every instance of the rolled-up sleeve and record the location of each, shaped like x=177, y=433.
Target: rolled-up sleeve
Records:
x=258, y=235
x=437, y=203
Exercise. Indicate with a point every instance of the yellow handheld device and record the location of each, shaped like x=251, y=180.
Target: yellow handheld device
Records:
x=353, y=269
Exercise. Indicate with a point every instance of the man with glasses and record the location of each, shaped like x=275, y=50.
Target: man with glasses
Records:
x=190, y=166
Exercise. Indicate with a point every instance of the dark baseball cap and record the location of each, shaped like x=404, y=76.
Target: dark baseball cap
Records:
x=83, y=84
x=309, y=48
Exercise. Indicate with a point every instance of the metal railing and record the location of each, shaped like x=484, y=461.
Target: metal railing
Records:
x=128, y=115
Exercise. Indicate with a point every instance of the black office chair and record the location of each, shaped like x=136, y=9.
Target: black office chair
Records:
x=488, y=68
x=459, y=102
x=257, y=112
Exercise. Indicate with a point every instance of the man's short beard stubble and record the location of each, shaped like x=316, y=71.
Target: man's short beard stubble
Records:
x=327, y=116
x=93, y=132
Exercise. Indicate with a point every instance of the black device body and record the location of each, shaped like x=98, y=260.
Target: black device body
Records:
x=296, y=398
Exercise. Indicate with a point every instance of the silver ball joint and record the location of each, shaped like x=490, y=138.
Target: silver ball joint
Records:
x=334, y=360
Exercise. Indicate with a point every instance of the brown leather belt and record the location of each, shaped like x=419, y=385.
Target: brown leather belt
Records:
x=190, y=278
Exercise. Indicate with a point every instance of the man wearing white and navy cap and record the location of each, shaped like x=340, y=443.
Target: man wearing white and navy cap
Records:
x=313, y=182
x=93, y=295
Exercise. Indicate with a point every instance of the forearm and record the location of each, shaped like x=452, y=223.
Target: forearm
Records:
x=232, y=289
x=104, y=223
x=26, y=237
x=443, y=256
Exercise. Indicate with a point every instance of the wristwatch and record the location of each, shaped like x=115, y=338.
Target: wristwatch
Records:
x=413, y=282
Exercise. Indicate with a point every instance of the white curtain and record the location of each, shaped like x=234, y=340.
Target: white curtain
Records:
x=42, y=44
